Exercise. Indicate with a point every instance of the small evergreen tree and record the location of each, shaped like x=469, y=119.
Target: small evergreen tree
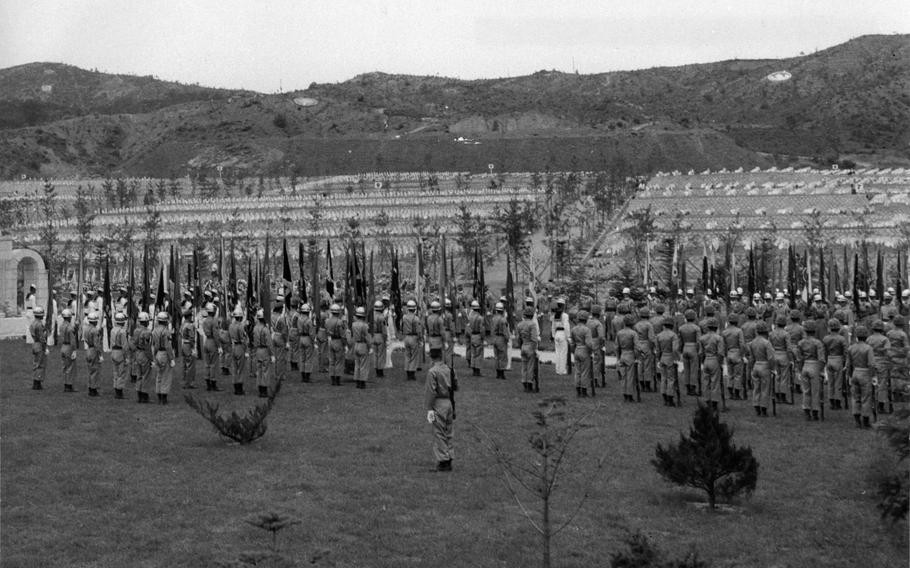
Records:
x=642, y=553
x=708, y=460
x=894, y=488
x=245, y=428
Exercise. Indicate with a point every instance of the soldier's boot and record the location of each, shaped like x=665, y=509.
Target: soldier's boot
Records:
x=866, y=423
x=584, y=392
x=263, y=392
x=880, y=406
x=215, y=386
x=93, y=392
x=163, y=398
x=380, y=373
x=476, y=371
x=36, y=385
x=361, y=385
x=714, y=404
x=238, y=388
x=815, y=415
x=807, y=414
x=764, y=410
x=858, y=421
x=68, y=388
x=134, y=378
x=578, y=392
x=670, y=401
x=225, y=372
x=118, y=393
x=730, y=393
x=294, y=366
x=757, y=410
x=500, y=374
x=411, y=376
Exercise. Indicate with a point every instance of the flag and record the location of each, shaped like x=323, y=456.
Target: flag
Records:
x=807, y=289
x=372, y=286
x=899, y=284
x=705, y=274
x=418, y=274
x=316, y=300
x=302, y=282
x=683, y=283
x=791, y=276
x=107, y=313
x=265, y=284
x=159, y=296
x=751, y=280
x=879, y=275
x=856, y=283
x=673, y=285
x=330, y=280
x=395, y=290
x=483, y=289
x=192, y=281
x=130, y=291
x=232, y=299
x=510, y=292
x=175, y=297
x=846, y=280
x=476, y=291
x=145, y=279
x=286, y=276
x=821, y=274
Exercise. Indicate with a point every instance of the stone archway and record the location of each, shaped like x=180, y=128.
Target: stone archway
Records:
x=19, y=268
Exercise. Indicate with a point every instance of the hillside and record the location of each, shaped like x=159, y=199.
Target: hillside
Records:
x=851, y=101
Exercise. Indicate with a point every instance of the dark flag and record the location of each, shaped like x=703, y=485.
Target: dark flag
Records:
x=395, y=289
x=250, y=298
x=751, y=280
x=879, y=276
x=107, y=312
x=791, y=276
x=821, y=274
x=302, y=282
x=349, y=281
x=846, y=279
x=683, y=283
x=176, y=316
x=705, y=275
x=232, y=299
x=833, y=280
x=865, y=284
x=192, y=281
x=483, y=288
x=316, y=300
x=265, y=283
x=159, y=297
x=286, y=276
x=360, y=288
x=510, y=293
x=130, y=291
x=145, y=279
x=477, y=292
x=899, y=284
x=330, y=280
x=372, y=286
x=856, y=283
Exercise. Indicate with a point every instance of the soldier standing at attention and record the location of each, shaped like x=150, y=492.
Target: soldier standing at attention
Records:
x=780, y=340
x=810, y=359
x=528, y=336
x=211, y=347
x=238, y=338
x=734, y=343
x=880, y=348
x=763, y=357
x=448, y=334
x=93, y=356
x=164, y=356
x=644, y=349
x=188, y=350
x=262, y=342
x=689, y=333
x=142, y=356
x=580, y=343
x=120, y=345
x=835, y=348
x=476, y=330
x=440, y=411
x=861, y=368
x=625, y=355
x=360, y=342
x=410, y=328
x=560, y=334
x=598, y=335
x=435, y=327
x=668, y=348
x=68, y=345
x=712, y=355
x=379, y=337
x=499, y=328
x=750, y=331
x=294, y=335
x=38, y=334
x=306, y=330
x=280, y=341
x=336, y=331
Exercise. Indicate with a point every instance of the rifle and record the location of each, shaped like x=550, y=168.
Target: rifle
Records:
x=821, y=399
x=452, y=388
x=569, y=357
x=723, y=395
x=792, y=368
x=844, y=390
x=874, y=402
x=774, y=393
x=637, y=373
x=536, y=372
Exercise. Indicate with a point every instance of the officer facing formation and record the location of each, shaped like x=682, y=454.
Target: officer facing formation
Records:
x=499, y=328
x=712, y=355
x=861, y=369
x=411, y=329
x=810, y=360
x=306, y=331
x=689, y=334
x=835, y=346
x=38, y=335
x=668, y=351
x=337, y=332
x=438, y=401
x=764, y=366
x=379, y=335
x=625, y=353
x=239, y=355
x=262, y=342
x=188, y=349
x=211, y=347
x=476, y=329
x=93, y=356
x=528, y=336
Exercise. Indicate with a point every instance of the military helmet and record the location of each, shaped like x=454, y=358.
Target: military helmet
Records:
x=712, y=323
x=448, y=303
x=709, y=310
x=528, y=312
x=529, y=301
x=659, y=308
x=751, y=313
x=360, y=312
x=596, y=310
x=378, y=306
x=796, y=315
x=143, y=317
x=67, y=313
x=809, y=326
x=878, y=325
x=238, y=312
x=644, y=312
x=210, y=308
x=120, y=318
x=260, y=314
x=626, y=291
x=779, y=296
x=500, y=307
x=335, y=309
x=861, y=332
x=767, y=295
x=161, y=317
x=690, y=315
x=900, y=321
x=628, y=320
x=733, y=319
x=761, y=327
x=93, y=317
x=38, y=311
x=475, y=305
x=582, y=316
x=412, y=305
x=834, y=324
x=435, y=306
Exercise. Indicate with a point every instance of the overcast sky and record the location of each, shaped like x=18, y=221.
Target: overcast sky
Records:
x=265, y=45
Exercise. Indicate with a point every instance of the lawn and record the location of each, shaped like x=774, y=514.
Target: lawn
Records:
x=104, y=482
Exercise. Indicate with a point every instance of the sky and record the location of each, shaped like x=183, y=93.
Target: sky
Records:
x=284, y=45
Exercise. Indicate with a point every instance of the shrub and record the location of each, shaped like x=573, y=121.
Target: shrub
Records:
x=642, y=553
x=280, y=121
x=245, y=428
x=893, y=487
x=708, y=460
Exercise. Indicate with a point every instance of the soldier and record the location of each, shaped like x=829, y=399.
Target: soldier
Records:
x=880, y=348
x=440, y=409
x=262, y=343
x=448, y=334
x=835, y=348
x=644, y=350
x=238, y=338
x=293, y=321
x=689, y=334
x=783, y=356
x=411, y=328
x=435, y=327
x=379, y=336
x=528, y=336
x=476, y=330
x=164, y=356
x=737, y=306
x=141, y=347
x=280, y=340
x=581, y=344
x=598, y=333
x=712, y=355
x=38, y=334
x=188, y=350
x=861, y=368
x=560, y=333
x=224, y=340
x=322, y=338
x=306, y=331
x=31, y=302
x=668, y=348
x=360, y=344
x=897, y=354
x=764, y=366
x=616, y=323
x=69, y=342
x=211, y=347
x=734, y=345
x=780, y=307
x=336, y=331
x=627, y=301
x=811, y=355
x=120, y=347
x=500, y=332
x=93, y=356
x=625, y=356
x=905, y=303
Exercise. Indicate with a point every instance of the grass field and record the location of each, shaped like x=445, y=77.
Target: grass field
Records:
x=108, y=483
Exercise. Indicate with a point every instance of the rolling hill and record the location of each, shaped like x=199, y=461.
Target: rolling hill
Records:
x=851, y=101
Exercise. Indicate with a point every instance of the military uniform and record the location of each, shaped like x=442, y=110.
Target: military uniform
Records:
x=861, y=368
x=880, y=348
x=142, y=357
x=379, y=337
x=581, y=344
x=188, y=352
x=780, y=341
x=528, y=335
x=120, y=347
x=306, y=331
x=93, y=357
x=38, y=334
x=764, y=364
x=475, y=349
x=811, y=357
x=411, y=329
x=438, y=403
x=835, y=348
x=280, y=345
x=164, y=360
x=689, y=333
x=598, y=335
x=625, y=354
x=360, y=343
x=712, y=354
x=668, y=351
x=262, y=343
x=499, y=329
x=899, y=343
x=210, y=349
x=294, y=340
x=239, y=340
x=69, y=342
x=337, y=332
x=734, y=344
x=644, y=352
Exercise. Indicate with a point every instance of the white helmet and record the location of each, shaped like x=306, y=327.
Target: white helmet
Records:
x=210, y=308
x=871, y=293
x=120, y=318
x=305, y=308
x=38, y=311
x=779, y=296
x=475, y=305
x=500, y=307
x=260, y=314
x=160, y=318
x=378, y=306
x=335, y=309
x=67, y=313
x=626, y=291
x=238, y=312
x=143, y=317
x=412, y=305
x=360, y=312
x=435, y=306
x=93, y=317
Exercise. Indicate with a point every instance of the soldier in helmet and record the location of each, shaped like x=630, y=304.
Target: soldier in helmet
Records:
x=598, y=333
x=783, y=357
x=625, y=355
x=476, y=329
x=499, y=329
x=528, y=336
x=280, y=344
x=141, y=347
x=69, y=343
x=93, y=356
x=897, y=354
x=835, y=348
x=880, y=348
x=668, y=349
x=379, y=337
x=188, y=349
x=38, y=334
x=712, y=356
x=210, y=347
x=440, y=410
x=811, y=356
x=293, y=319
x=581, y=344
x=262, y=343
x=411, y=328
x=644, y=349
x=764, y=366
x=337, y=331
x=306, y=331
x=120, y=347
x=861, y=369
x=239, y=355
x=734, y=345
x=435, y=327
x=360, y=344
x=689, y=334
x=164, y=356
